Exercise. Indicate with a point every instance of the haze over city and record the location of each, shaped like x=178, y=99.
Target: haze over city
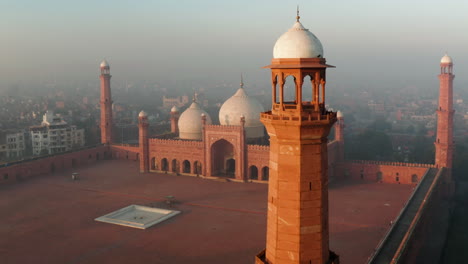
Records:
x=374, y=44
x=153, y=132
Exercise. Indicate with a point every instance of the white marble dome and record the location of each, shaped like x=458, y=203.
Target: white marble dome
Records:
x=142, y=114
x=298, y=42
x=446, y=59
x=104, y=63
x=240, y=104
x=174, y=109
x=190, y=122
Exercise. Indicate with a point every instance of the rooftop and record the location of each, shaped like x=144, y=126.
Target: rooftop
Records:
x=52, y=218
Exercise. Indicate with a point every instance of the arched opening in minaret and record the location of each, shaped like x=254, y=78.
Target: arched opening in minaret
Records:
x=307, y=90
x=197, y=168
x=276, y=95
x=175, y=166
x=97, y=156
x=52, y=168
x=153, y=163
x=222, y=158
x=253, y=173
x=289, y=90
x=186, y=166
x=265, y=173
x=73, y=163
x=164, y=165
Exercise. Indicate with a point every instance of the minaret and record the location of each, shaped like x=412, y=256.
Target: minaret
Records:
x=143, y=141
x=444, y=139
x=339, y=134
x=106, y=104
x=297, y=221
x=174, y=119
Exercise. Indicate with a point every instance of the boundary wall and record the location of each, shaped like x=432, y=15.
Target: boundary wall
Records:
x=50, y=164
x=388, y=172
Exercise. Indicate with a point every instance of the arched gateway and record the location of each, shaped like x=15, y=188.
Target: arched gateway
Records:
x=223, y=159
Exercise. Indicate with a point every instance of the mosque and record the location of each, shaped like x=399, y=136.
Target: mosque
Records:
x=298, y=164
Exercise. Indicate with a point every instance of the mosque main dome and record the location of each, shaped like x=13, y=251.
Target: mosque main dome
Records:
x=240, y=104
x=190, y=122
x=298, y=42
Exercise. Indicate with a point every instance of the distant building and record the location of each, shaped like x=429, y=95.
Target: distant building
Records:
x=12, y=144
x=178, y=101
x=55, y=135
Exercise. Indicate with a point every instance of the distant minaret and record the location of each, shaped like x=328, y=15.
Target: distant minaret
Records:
x=444, y=140
x=143, y=141
x=106, y=104
x=339, y=134
x=174, y=119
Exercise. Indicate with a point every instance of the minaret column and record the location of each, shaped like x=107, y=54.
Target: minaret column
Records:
x=106, y=104
x=174, y=120
x=444, y=139
x=143, y=141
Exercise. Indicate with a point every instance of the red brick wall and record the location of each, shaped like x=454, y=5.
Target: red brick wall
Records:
x=125, y=151
x=391, y=172
x=50, y=164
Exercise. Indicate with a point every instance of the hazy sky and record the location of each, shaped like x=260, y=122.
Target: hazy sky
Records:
x=372, y=43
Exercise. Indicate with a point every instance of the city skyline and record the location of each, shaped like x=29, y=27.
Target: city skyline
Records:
x=192, y=41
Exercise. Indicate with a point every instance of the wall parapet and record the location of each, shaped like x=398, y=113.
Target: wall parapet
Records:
x=391, y=163
x=406, y=221
x=179, y=142
x=223, y=128
x=48, y=156
x=258, y=147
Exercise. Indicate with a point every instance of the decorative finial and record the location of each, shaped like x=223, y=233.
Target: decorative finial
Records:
x=297, y=16
x=242, y=82
x=195, y=97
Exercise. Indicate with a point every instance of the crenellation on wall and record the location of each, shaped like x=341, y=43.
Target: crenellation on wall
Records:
x=391, y=163
x=387, y=172
x=174, y=142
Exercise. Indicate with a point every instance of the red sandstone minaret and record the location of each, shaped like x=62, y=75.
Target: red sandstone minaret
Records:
x=339, y=134
x=297, y=222
x=106, y=104
x=143, y=141
x=444, y=139
x=174, y=119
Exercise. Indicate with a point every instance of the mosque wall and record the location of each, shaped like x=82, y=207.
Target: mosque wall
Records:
x=258, y=160
x=125, y=151
x=388, y=172
x=21, y=170
x=177, y=156
x=425, y=243
x=421, y=242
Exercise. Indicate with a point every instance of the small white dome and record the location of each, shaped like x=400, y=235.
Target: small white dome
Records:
x=446, y=59
x=104, y=63
x=240, y=104
x=174, y=109
x=298, y=42
x=190, y=122
x=142, y=114
x=339, y=114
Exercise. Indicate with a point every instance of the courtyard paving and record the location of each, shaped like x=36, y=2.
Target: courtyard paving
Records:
x=50, y=219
